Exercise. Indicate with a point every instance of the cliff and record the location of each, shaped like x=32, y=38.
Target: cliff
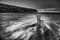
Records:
x=5, y=8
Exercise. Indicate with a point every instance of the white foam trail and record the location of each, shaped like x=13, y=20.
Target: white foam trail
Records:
x=17, y=34
x=23, y=34
x=47, y=26
x=21, y=24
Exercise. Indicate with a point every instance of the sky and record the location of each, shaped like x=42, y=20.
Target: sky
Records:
x=35, y=4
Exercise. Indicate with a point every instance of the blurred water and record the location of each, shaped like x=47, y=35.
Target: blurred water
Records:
x=24, y=26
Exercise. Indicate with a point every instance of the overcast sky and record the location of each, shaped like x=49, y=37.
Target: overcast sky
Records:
x=35, y=4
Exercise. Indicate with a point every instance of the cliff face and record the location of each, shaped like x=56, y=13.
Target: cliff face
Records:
x=14, y=9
